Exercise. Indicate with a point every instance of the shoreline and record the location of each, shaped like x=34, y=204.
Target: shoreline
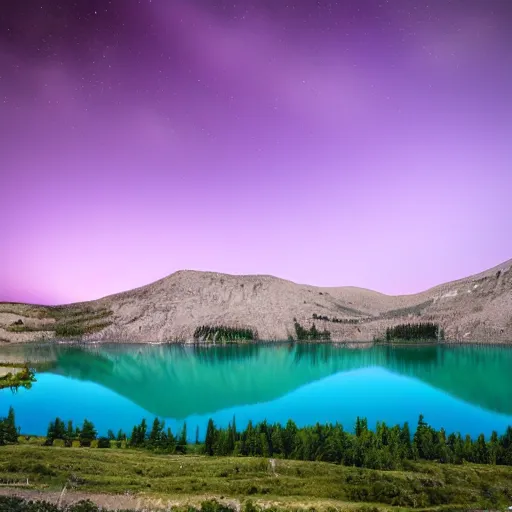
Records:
x=352, y=344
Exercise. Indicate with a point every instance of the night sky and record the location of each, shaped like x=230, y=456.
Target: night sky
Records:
x=362, y=142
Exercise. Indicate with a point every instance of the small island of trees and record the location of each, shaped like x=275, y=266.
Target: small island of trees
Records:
x=337, y=320
x=415, y=332
x=222, y=334
x=313, y=334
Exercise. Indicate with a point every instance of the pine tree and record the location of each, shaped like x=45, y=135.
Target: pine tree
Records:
x=50, y=433
x=10, y=430
x=230, y=440
x=134, y=438
x=87, y=434
x=60, y=429
x=143, y=428
x=235, y=434
x=358, y=429
x=182, y=441
x=480, y=451
x=2, y=432
x=405, y=439
x=170, y=442
x=68, y=439
x=289, y=438
x=210, y=438
x=155, y=435
x=494, y=446
x=468, y=449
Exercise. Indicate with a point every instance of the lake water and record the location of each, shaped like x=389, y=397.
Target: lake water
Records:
x=460, y=388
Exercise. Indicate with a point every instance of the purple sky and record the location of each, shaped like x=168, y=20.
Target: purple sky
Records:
x=363, y=142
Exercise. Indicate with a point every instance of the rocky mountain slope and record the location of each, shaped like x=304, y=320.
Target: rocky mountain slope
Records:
x=477, y=308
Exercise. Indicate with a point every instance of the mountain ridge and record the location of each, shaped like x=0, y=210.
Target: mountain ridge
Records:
x=476, y=308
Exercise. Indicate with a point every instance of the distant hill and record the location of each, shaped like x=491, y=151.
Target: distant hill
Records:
x=477, y=308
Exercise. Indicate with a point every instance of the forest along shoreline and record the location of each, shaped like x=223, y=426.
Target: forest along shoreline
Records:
x=385, y=447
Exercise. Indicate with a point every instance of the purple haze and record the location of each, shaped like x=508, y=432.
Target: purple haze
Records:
x=364, y=142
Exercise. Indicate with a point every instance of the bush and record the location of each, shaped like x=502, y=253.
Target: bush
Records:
x=83, y=506
x=214, y=506
x=66, y=330
x=103, y=442
x=249, y=506
x=41, y=469
x=14, y=504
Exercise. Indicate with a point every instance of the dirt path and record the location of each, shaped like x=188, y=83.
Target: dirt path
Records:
x=112, y=501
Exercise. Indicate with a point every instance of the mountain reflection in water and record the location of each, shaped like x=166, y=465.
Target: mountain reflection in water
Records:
x=179, y=382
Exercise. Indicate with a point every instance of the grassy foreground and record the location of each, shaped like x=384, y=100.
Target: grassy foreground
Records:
x=285, y=484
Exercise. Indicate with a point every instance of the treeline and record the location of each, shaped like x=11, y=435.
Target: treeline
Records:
x=313, y=334
x=66, y=432
x=337, y=320
x=385, y=448
x=222, y=333
x=158, y=438
x=421, y=331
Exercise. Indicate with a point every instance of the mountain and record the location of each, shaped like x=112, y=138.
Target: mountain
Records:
x=477, y=308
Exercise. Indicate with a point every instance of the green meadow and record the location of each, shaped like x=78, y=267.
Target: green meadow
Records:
x=285, y=484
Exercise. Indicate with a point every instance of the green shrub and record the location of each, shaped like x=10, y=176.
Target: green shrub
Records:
x=66, y=330
x=83, y=506
x=214, y=506
x=103, y=442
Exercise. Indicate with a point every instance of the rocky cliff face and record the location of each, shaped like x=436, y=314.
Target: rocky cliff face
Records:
x=477, y=308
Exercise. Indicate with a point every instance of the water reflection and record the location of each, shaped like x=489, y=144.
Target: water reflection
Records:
x=308, y=382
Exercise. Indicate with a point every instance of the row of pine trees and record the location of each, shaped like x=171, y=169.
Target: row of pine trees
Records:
x=336, y=320
x=421, y=331
x=58, y=429
x=221, y=333
x=312, y=334
x=383, y=448
x=158, y=438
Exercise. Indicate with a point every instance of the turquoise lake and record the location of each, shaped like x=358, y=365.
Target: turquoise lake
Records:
x=460, y=388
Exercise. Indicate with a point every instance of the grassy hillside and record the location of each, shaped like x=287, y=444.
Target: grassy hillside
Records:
x=284, y=483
